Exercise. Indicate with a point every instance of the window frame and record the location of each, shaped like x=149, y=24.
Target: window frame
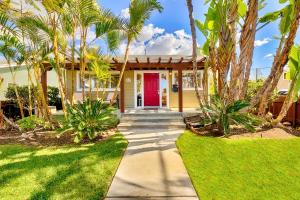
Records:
x=185, y=72
x=79, y=88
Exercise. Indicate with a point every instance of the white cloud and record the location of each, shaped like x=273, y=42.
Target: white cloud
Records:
x=269, y=56
x=148, y=32
x=155, y=41
x=262, y=42
x=125, y=13
x=91, y=35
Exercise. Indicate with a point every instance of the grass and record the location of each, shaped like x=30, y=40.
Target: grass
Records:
x=69, y=172
x=242, y=169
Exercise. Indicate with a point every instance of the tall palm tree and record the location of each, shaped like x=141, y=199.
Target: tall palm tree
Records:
x=140, y=11
x=289, y=24
x=194, y=55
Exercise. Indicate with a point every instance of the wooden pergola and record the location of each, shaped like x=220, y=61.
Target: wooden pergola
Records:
x=144, y=62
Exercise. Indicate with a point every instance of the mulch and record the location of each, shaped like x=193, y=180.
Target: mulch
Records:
x=44, y=138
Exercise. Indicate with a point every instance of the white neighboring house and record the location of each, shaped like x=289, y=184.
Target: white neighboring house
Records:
x=21, y=77
x=283, y=83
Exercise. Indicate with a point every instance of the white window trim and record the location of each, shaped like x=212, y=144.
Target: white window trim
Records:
x=94, y=89
x=187, y=71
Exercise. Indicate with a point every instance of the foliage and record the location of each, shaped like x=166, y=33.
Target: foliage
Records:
x=225, y=115
x=254, y=86
x=294, y=71
x=23, y=93
x=53, y=94
x=249, y=168
x=30, y=123
x=88, y=119
x=78, y=172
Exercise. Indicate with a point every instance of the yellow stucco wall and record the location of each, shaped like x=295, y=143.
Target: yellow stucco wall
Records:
x=189, y=97
x=129, y=89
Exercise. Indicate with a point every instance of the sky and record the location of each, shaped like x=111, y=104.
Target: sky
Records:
x=168, y=33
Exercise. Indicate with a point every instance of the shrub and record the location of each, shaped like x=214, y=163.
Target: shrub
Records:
x=53, y=96
x=254, y=86
x=224, y=115
x=89, y=119
x=30, y=123
x=23, y=93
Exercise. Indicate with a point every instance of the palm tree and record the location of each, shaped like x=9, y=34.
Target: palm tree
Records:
x=194, y=56
x=289, y=24
x=140, y=11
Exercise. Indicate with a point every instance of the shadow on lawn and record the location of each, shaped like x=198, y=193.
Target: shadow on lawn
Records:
x=80, y=172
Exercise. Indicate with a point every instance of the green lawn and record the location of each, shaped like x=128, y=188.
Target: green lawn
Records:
x=70, y=172
x=242, y=169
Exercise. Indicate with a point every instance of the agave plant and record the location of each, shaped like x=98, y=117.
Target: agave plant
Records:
x=89, y=119
x=224, y=115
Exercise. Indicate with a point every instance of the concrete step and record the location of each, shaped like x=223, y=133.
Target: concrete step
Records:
x=152, y=125
x=153, y=115
x=151, y=119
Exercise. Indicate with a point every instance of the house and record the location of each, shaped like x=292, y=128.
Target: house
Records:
x=283, y=83
x=21, y=77
x=148, y=82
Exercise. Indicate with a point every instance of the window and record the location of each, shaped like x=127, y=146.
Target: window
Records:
x=188, y=79
x=90, y=79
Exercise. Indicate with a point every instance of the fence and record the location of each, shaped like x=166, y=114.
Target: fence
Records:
x=293, y=115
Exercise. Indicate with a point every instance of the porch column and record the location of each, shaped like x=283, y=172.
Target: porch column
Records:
x=44, y=83
x=180, y=102
x=122, y=96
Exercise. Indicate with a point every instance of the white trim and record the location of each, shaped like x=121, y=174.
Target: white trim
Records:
x=187, y=71
x=142, y=72
x=79, y=89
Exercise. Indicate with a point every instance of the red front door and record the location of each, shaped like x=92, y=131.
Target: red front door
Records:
x=151, y=89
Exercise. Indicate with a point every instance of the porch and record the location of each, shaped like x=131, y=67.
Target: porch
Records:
x=149, y=82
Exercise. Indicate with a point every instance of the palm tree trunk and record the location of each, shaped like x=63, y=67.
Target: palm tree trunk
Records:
x=194, y=55
x=20, y=104
x=121, y=72
x=73, y=68
x=83, y=61
x=29, y=92
x=247, y=40
x=280, y=60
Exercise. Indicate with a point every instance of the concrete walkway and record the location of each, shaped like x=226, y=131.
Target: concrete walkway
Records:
x=151, y=168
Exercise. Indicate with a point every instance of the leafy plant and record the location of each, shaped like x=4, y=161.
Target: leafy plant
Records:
x=30, y=123
x=23, y=94
x=88, y=119
x=224, y=115
x=254, y=86
x=53, y=96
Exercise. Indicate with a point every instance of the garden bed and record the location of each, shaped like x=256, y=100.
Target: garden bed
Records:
x=44, y=138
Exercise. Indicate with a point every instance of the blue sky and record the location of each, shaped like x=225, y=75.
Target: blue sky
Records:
x=169, y=32
x=175, y=17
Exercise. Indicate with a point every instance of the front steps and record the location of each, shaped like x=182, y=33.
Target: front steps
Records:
x=148, y=120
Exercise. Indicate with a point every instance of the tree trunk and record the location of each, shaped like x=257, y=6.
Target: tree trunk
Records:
x=121, y=72
x=73, y=67
x=20, y=104
x=247, y=40
x=194, y=55
x=280, y=60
